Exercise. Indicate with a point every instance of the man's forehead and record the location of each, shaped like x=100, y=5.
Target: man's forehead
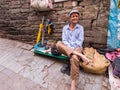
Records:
x=74, y=14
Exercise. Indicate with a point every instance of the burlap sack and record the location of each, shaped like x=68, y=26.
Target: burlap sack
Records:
x=99, y=63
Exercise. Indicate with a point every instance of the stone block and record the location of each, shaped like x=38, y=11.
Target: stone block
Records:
x=91, y=12
x=67, y=4
x=85, y=23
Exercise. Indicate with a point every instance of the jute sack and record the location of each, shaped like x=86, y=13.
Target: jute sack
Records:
x=98, y=64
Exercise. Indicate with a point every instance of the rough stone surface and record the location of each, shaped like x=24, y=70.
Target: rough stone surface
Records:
x=21, y=69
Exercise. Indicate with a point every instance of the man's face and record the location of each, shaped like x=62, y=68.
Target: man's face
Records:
x=74, y=18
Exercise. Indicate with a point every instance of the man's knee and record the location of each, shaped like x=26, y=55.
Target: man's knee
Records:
x=74, y=59
x=58, y=43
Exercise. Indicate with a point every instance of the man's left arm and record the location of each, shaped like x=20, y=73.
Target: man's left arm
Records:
x=80, y=39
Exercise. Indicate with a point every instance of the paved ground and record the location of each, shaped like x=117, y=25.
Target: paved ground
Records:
x=20, y=69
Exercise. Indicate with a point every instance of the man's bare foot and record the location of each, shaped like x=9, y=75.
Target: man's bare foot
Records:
x=83, y=57
x=86, y=60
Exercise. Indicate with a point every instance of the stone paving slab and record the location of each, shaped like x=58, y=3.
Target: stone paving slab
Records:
x=12, y=81
x=26, y=47
x=21, y=69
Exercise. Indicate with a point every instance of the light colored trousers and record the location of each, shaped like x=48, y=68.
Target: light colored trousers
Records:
x=74, y=60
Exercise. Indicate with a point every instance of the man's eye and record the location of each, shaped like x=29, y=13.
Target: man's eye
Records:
x=74, y=16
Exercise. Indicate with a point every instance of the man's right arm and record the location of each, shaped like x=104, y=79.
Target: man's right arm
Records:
x=64, y=37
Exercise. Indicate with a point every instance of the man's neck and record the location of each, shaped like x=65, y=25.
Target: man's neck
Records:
x=72, y=26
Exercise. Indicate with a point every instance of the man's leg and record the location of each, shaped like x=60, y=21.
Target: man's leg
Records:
x=73, y=85
x=63, y=48
x=74, y=61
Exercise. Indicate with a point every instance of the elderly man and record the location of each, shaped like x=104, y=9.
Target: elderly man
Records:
x=71, y=45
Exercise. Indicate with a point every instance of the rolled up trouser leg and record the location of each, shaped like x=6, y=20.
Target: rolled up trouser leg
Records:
x=74, y=61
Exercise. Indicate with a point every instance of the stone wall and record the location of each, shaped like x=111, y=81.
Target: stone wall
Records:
x=20, y=22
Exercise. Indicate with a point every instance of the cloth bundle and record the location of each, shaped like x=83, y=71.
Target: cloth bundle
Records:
x=116, y=67
x=41, y=5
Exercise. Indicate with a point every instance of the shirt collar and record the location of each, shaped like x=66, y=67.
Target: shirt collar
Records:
x=68, y=27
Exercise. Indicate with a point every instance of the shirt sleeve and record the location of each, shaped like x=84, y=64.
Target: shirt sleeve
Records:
x=80, y=39
x=64, y=37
